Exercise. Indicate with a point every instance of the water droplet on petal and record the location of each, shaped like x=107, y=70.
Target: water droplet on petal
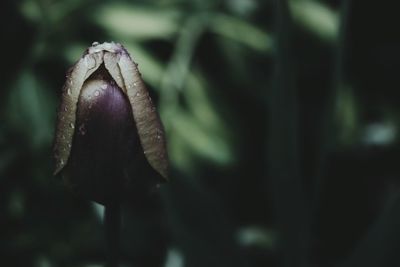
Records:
x=72, y=125
x=103, y=86
x=97, y=93
x=69, y=92
x=135, y=84
x=82, y=129
x=137, y=94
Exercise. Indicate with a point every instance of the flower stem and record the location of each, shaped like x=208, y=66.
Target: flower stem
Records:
x=112, y=221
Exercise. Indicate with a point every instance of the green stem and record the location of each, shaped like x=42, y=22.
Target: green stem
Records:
x=291, y=206
x=329, y=128
x=112, y=221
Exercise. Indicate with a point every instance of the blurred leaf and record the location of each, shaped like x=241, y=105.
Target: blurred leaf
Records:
x=178, y=68
x=241, y=31
x=199, y=103
x=382, y=133
x=52, y=12
x=31, y=110
x=43, y=262
x=31, y=10
x=316, y=17
x=138, y=22
x=347, y=117
x=257, y=236
x=174, y=258
x=204, y=143
x=242, y=7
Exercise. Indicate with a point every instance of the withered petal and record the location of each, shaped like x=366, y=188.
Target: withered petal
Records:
x=69, y=100
x=111, y=63
x=148, y=123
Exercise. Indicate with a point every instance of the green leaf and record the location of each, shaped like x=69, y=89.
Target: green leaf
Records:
x=31, y=110
x=241, y=31
x=138, y=22
x=316, y=17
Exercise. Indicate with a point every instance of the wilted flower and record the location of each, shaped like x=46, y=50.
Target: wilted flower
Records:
x=108, y=130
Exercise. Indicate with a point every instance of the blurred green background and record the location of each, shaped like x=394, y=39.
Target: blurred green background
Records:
x=282, y=123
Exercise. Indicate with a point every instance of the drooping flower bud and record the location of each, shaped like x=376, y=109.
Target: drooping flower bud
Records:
x=108, y=129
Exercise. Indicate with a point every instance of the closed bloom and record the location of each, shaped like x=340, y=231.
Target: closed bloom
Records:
x=109, y=136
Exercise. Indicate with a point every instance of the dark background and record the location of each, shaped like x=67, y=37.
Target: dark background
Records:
x=282, y=120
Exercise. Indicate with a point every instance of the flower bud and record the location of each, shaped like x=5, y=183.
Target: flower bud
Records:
x=108, y=129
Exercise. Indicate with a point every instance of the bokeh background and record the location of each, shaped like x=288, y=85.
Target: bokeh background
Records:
x=282, y=120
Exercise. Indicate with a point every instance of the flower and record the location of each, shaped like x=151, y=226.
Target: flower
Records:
x=108, y=130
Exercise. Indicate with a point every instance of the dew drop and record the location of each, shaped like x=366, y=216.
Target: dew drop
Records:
x=135, y=84
x=82, y=129
x=72, y=125
x=104, y=86
x=97, y=93
x=69, y=92
x=137, y=94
